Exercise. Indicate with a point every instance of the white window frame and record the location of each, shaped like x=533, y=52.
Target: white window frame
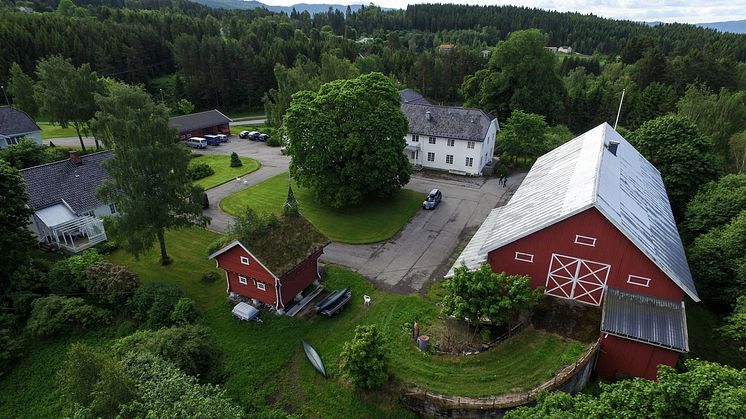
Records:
x=470, y=144
x=469, y=162
x=415, y=138
x=260, y=286
x=112, y=208
x=430, y=156
x=640, y=281
x=431, y=140
x=524, y=257
x=244, y=260
x=449, y=157
x=585, y=240
x=242, y=280
x=451, y=143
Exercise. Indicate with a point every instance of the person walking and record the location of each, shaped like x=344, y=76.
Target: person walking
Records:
x=500, y=180
x=505, y=182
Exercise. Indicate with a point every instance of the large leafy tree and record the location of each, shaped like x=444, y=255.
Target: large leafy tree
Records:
x=735, y=324
x=521, y=74
x=15, y=238
x=65, y=94
x=363, y=358
x=21, y=88
x=149, y=181
x=347, y=140
x=684, y=157
x=523, y=135
x=302, y=76
x=715, y=205
x=482, y=294
x=719, y=115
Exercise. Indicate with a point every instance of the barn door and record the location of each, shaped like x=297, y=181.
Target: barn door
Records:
x=577, y=279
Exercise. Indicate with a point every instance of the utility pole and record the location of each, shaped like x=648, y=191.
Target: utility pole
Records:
x=6, y=96
x=619, y=112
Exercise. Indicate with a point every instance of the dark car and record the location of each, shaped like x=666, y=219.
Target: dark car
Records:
x=254, y=135
x=432, y=200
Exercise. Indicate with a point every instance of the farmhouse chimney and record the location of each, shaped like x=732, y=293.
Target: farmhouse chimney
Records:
x=612, y=146
x=428, y=116
x=75, y=158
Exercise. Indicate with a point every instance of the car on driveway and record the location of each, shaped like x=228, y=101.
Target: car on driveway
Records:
x=263, y=137
x=243, y=134
x=432, y=200
x=196, y=142
x=212, y=139
x=254, y=135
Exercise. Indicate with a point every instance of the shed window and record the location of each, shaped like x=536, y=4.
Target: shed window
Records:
x=638, y=280
x=261, y=286
x=585, y=240
x=524, y=257
x=244, y=260
x=242, y=280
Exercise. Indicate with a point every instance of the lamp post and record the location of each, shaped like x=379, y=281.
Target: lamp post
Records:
x=4, y=95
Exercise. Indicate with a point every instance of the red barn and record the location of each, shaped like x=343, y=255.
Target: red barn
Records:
x=201, y=123
x=592, y=223
x=274, y=283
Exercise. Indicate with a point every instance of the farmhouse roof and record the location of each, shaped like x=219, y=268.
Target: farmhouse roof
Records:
x=580, y=174
x=199, y=120
x=647, y=319
x=14, y=122
x=410, y=96
x=66, y=182
x=447, y=121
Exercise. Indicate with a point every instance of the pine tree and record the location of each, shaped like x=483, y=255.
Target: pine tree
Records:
x=291, y=206
x=235, y=161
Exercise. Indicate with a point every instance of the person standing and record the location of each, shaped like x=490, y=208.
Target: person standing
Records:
x=505, y=182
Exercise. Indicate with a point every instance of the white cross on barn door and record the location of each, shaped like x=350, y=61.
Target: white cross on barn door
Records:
x=577, y=279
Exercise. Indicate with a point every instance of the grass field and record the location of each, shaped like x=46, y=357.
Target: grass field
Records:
x=223, y=170
x=368, y=223
x=50, y=130
x=257, y=113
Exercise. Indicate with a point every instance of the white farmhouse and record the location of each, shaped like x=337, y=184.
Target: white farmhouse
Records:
x=16, y=124
x=449, y=138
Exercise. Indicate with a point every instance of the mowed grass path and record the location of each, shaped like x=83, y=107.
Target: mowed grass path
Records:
x=368, y=223
x=223, y=171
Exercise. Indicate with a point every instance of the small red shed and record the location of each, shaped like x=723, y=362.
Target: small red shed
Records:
x=593, y=215
x=275, y=285
x=201, y=123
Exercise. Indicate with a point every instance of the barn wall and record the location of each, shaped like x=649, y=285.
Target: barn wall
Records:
x=623, y=358
x=216, y=129
x=300, y=277
x=230, y=261
x=611, y=248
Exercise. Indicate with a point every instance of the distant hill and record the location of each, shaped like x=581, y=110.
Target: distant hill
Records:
x=735, y=26
x=251, y=4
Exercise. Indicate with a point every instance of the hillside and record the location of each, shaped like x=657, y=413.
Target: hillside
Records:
x=733, y=26
x=251, y=4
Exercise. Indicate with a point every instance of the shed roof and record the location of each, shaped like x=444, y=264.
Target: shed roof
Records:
x=580, y=174
x=645, y=319
x=14, y=122
x=199, y=120
x=447, y=121
x=64, y=181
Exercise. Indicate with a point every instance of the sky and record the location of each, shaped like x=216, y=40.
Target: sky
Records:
x=684, y=11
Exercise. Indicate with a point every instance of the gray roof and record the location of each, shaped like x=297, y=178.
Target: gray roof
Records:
x=53, y=183
x=13, y=122
x=447, y=121
x=645, y=319
x=410, y=96
x=581, y=174
x=199, y=120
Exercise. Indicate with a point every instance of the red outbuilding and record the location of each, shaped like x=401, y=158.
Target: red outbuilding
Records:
x=201, y=123
x=274, y=283
x=592, y=223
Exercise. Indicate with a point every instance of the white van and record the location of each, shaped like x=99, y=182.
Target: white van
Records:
x=196, y=142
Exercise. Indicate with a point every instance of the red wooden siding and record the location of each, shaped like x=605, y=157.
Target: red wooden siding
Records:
x=217, y=129
x=611, y=248
x=622, y=358
x=300, y=277
x=230, y=261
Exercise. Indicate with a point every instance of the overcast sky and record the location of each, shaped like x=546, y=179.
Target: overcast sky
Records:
x=686, y=11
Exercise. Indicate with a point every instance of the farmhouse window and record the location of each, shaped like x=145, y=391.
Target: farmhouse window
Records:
x=524, y=257
x=261, y=286
x=431, y=140
x=113, y=209
x=430, y=156
x=449, y=158
x=638, y=280
x=244, y=260
x=242, y=280
x=585, y=240
x=415, y=138
x=451, y=143
x=469, y=161
x=470, y=144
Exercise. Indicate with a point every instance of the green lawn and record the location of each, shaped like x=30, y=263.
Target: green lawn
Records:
x=223, y=171
x=50, y=130
x=368, y=223
x=257, y=113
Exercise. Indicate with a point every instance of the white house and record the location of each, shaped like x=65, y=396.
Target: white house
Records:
x=14, y=125
x=449, y=138
x=63, y=197
x=565, y=49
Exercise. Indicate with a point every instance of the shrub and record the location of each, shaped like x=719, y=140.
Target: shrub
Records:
x=363, y=359
x=153, y=303
x=185, y=312
x=10, y=341
x=274, y=141
x=110, y=284
x=55, y=314
x=210, y=277
x=219, y=243
x=251, y=224
x=199, y=171
x=67, y=275
x=205, y=201
x=235, y=161
x=108, y=247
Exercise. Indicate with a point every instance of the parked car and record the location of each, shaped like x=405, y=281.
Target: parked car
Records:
x=263, y=137
x=243, y=134
x=223, y=138
x=212, y=139
x=254, y=135
x=196, y=142
x=432, y=200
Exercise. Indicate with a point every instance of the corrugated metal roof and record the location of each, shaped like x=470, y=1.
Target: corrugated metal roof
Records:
x=581, y=174
x=646, y=319
x=199, y=120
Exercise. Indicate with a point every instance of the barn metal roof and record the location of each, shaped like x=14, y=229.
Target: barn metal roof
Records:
x=580, y=174
x=647, y=319
x=199, y=120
